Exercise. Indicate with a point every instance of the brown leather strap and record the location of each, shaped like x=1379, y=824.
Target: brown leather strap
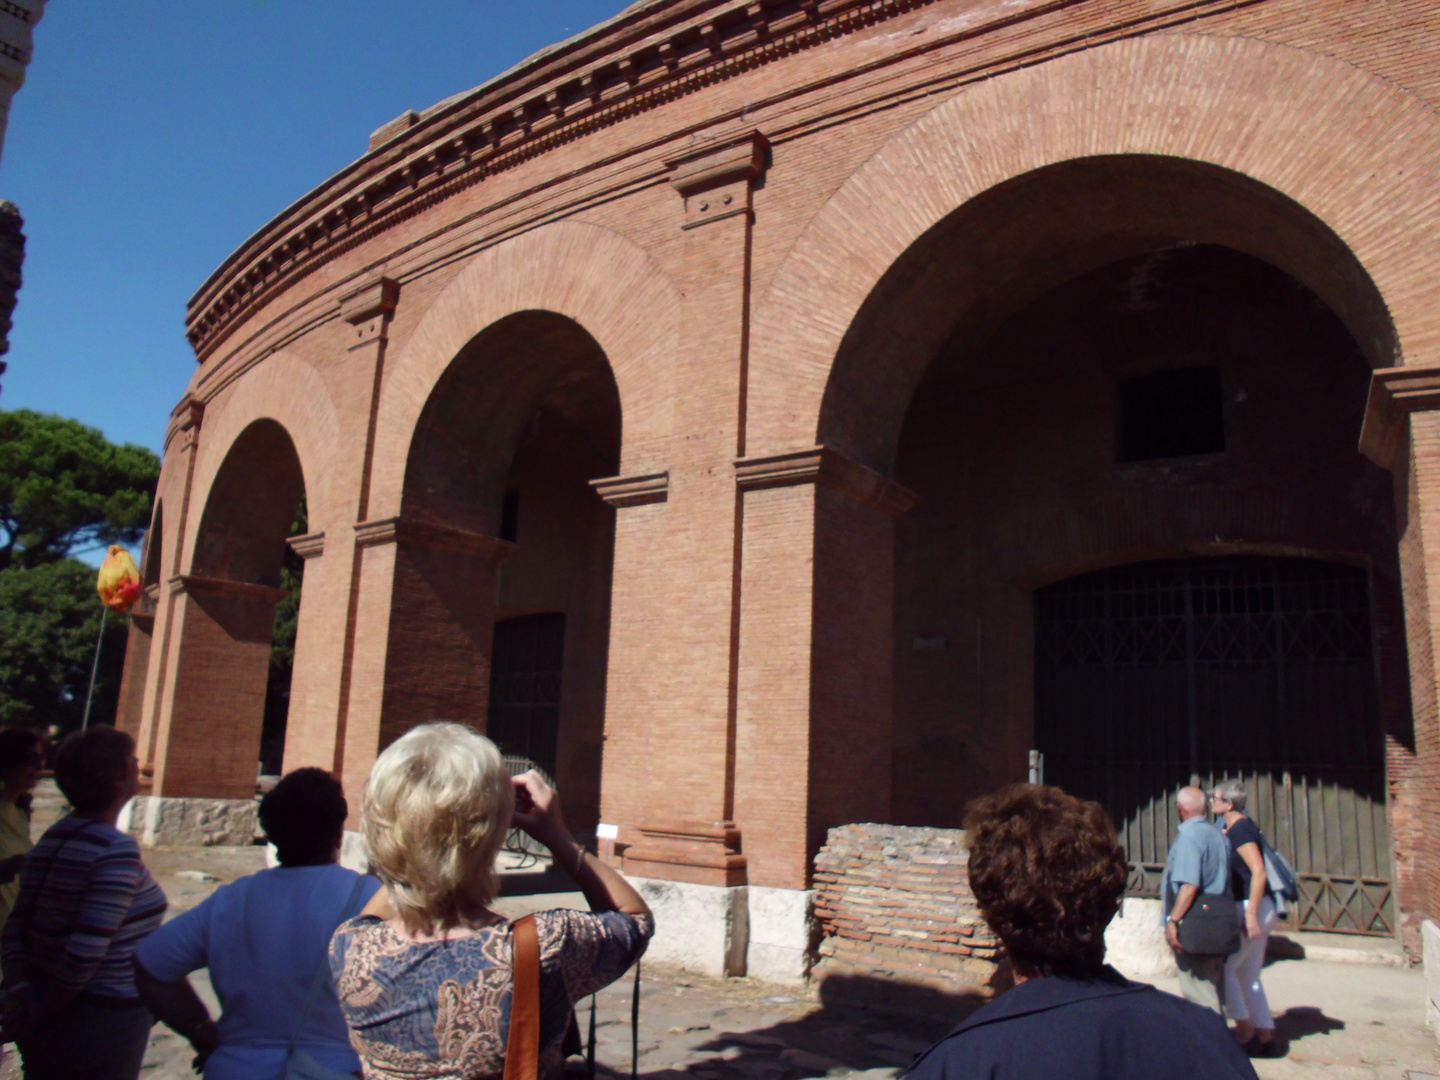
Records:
x=522, y=1051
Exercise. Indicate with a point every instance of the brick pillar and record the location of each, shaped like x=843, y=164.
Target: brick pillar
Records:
x=129, y=714
x=1402, y=433
x=425, y=615
x=668, y=774
x=325, y=657
x=309, y=726
x=184, y=436
x=208, y=744
x=813, y=743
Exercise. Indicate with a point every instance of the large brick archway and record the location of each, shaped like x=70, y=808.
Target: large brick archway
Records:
x=1349, y=147
x=609, y=291
x=608, y=285
x=289, y=396
x=879, y=281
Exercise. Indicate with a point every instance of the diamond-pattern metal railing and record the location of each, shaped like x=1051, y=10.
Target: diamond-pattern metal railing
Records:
x=1152, y=676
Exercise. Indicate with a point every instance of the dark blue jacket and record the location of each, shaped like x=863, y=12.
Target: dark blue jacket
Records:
x=1104, y=1029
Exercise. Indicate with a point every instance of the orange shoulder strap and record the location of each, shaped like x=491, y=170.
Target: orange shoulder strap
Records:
x=522, y=1050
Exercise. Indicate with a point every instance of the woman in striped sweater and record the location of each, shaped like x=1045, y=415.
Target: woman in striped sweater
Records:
x=86, y=900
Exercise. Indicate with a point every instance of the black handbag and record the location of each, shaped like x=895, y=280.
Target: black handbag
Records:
x=1211, y=927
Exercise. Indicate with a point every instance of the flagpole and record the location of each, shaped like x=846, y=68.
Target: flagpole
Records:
x=94, y=667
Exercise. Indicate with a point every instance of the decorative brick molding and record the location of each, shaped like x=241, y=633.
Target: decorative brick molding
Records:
x=432, y=536
x=369, y=310
x=196, y=585
x=821, y=465
x=1395, y=393
x=185, y=421
x=716, y=179
x=146, y=606
x=697, y=852
x=309, y=546
x=638, y=490
x=895, y=908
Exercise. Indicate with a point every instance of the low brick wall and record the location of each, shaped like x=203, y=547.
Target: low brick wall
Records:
x=896, y=915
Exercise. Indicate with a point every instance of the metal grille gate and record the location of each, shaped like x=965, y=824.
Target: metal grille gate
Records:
x=1156, y=675
x=526, y=664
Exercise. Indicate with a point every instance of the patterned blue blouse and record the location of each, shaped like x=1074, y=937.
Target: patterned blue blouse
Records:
x=441, y=1010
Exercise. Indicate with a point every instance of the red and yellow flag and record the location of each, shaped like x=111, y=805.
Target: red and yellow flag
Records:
x=119, y=581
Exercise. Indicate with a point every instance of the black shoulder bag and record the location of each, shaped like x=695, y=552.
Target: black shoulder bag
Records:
x=1211, y=927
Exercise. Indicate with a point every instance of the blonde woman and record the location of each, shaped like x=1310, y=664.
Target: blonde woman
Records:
x=424, y=974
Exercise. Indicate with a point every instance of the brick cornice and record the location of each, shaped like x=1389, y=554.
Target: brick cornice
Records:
x=309, y=546
x=637, y=490
x=432, y=536
x=698, y=851
x=377, y=299
x=199, y=585
x=468, y=138
x=1395, y=393
x=643, y=59
x=822, y=465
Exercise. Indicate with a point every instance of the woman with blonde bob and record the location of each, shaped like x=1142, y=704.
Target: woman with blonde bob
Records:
x=424, y=973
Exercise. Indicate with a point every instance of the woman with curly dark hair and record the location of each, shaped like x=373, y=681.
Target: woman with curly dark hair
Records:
x=1048, y=872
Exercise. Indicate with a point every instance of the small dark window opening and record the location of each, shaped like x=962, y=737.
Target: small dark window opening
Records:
x=1171, y=414
x=510, y=515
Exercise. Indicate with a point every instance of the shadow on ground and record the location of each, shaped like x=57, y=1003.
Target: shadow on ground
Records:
x=710, y=1030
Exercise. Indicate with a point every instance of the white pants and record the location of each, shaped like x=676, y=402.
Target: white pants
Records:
x=1244, y=993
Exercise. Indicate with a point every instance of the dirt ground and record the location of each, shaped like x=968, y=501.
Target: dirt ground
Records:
x=1336, y=1020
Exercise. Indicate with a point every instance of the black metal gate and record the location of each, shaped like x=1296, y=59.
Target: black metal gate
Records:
x=526, y=664
x=1155, y=675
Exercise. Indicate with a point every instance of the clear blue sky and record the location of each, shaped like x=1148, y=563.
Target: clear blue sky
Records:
x=153, y=136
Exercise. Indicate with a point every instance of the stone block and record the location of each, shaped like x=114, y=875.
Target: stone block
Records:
x=159, y=821
x=783, y=934
x=1135, y=942
x=701, y=928
x=353, y=855
x=1430, y=944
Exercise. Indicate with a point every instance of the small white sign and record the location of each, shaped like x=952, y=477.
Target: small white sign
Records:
x=607, y=832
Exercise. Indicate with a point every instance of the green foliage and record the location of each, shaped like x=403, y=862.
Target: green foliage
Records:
x=49, y=619
x=65, y=486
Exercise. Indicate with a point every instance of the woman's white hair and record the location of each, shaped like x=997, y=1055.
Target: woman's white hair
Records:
x=435, y=811
x=1233, y=792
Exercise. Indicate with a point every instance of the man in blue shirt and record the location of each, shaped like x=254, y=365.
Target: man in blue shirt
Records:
x=1199, y=862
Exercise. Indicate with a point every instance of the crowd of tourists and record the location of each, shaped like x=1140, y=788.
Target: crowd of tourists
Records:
x=322, y=972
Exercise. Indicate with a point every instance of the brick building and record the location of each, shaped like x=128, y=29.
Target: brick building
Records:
x=778, y=415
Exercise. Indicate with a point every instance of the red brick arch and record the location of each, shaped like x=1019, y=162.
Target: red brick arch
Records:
x=606, y=283
x=1356, y=156
x=292, y=392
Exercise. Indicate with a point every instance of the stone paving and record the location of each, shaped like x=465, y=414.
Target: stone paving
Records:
x=1338, y=1021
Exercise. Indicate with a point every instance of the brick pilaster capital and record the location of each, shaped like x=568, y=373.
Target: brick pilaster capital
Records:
x=185, y=421
x=369, y=310
x=715, y=177
x=199, y=585
x=822, y=465
x=309, y=546
x=1395, y=393
x=432, y=536
x=638, y=490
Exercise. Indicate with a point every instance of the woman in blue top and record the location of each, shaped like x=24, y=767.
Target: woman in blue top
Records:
x=1245, y=1000
x=265, y=940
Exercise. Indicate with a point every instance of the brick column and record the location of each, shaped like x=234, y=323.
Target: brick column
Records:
x=1402, y=433
x=129, y=714
x=813, y=744
x=668, y=775
x=325, y=668
x=184, y=436
x=425, y=611
x=210, y=719
x=309, y=726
